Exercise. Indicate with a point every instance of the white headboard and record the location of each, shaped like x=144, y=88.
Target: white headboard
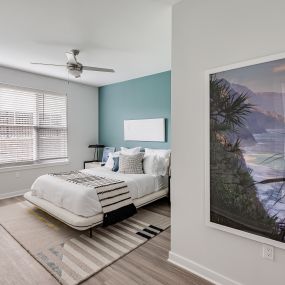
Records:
x=148, y=130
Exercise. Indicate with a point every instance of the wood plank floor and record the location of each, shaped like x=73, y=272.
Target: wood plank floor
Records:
x=146, y=265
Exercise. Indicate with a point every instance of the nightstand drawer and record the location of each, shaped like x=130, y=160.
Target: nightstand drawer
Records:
x=91, y=164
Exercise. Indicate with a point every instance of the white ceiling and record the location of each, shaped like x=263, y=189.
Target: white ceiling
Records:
x=131, y=36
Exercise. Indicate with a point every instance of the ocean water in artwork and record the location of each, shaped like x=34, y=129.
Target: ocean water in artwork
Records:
x=266, y=159
x=247, y=149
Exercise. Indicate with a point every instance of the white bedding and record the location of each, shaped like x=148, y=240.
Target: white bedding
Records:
x=82, y=200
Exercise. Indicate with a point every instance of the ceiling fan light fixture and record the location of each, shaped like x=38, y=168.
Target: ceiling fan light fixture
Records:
x=75, y=72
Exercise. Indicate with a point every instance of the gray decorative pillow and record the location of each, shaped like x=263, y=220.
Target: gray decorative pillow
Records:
x=131, y=164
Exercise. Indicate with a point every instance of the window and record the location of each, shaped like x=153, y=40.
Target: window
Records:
x=33, y=126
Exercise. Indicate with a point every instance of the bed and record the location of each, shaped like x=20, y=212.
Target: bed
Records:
x=79, y=207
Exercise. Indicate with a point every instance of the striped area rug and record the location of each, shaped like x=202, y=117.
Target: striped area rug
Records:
x=72, y=256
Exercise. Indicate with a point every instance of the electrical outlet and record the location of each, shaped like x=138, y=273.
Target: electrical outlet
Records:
x=268, y=252
x=17, y=174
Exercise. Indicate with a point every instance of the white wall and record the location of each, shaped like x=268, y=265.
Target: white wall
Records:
x=207, y=34
x=82, y=126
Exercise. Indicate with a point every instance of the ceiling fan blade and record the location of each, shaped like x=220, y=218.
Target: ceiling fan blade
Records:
x=50, y=64
x=97, y=69
x=71, y=59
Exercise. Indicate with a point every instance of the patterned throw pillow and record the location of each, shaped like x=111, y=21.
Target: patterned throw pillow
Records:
x=131, y=164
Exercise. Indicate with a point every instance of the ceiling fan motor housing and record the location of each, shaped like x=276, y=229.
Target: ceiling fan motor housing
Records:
x=75, y=69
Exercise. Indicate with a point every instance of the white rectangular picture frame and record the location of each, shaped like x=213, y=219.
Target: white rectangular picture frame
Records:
x=148, y=130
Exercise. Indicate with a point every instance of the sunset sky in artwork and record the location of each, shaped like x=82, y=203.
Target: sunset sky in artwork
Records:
x=263, y=77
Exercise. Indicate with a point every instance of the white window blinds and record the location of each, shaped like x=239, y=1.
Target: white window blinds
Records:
x=33, y=126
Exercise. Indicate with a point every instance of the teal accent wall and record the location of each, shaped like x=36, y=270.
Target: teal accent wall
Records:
x=147, y=97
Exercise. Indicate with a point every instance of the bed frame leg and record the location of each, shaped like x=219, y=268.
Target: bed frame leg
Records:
x=90, y=233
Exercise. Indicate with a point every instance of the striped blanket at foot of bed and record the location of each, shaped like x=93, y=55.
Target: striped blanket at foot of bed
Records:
x=113, y=194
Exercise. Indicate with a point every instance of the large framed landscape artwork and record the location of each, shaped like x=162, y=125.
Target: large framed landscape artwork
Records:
x=246, y=146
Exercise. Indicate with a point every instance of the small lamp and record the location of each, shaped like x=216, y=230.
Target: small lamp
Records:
x=96, y=147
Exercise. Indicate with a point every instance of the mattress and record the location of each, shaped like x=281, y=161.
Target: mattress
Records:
x=82, y=200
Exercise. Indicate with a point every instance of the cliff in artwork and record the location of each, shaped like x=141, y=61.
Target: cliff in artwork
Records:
x=234, y=200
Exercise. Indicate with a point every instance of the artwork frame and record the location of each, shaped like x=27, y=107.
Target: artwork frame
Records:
x=145, y=130
x=208, y=221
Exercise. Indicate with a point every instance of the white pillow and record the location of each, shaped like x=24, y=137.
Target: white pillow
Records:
x=110, y=161
x=150, y=164
x=165, y=153
x=130, y=151
x=160, y=163
x=155, y=165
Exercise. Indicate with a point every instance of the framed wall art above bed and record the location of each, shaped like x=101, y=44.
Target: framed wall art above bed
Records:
x=146, y=130
x=245, y=146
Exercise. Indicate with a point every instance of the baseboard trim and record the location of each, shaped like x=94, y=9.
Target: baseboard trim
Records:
x=13, y=194
x=200, y=270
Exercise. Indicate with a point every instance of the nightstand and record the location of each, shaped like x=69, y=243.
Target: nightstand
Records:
x=91, y=164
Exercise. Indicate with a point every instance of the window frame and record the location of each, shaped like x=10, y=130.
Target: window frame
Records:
x=9, y=167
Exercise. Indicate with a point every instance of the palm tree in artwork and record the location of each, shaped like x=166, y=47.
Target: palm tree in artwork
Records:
x=227, y=111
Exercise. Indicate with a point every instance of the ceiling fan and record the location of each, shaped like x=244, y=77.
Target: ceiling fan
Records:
x=74, y=67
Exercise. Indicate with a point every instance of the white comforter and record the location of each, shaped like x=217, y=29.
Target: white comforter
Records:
x=82, y=200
